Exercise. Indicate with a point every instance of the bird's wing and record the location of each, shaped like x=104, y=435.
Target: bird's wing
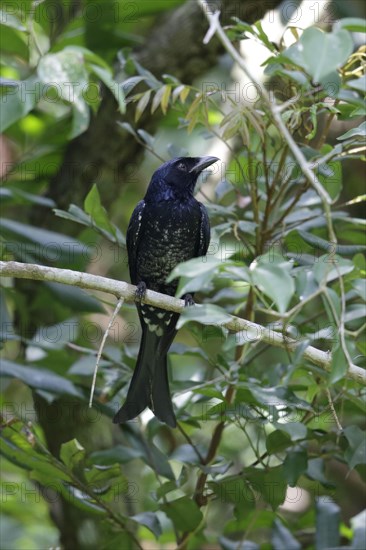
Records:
x=134, y=231
x=204, y=234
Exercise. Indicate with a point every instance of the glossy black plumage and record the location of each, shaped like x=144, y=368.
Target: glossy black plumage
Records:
x=167, y=227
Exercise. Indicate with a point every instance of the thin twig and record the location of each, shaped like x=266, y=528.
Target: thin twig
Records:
x=189, y=440
x=355, y=333
x=331, y=405
x=342, y=319
x=101, y=347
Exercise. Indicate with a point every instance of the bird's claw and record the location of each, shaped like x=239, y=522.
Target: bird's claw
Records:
x=188, y=300
x=140, y=291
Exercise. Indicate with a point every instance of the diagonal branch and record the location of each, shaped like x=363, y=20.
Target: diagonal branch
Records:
x=275, y=110
x=256, y=332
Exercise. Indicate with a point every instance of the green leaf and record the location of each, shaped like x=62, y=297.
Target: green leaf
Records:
x=83, y=501
x=360, y=287
x=127, y=126
x=149, y=520
x=277, y=397
x=184, y=513
x=188, y=285
x=358, y=111
x=80, y=119
x=359, y=132
x=66, y=71
x=270, y=483
x=75, y=214
x=56, y=336
x=106, y=77
x=339, y=365
x=322, y=244
x=98, y=213
x=158, y=461
x=31, y=198
x=263, y=37
x=358, y=83
x=39, y=378
x=129, y=84
x=353, y=24
x=147, y=138
x=48, y=245
x=295, y=464
x=75, y=298
x=207, y=314
x=161, y=98
x=87, y=55
x=330, y=267
x=72, y=453
x=356, y=453
x=118, y=454
x=316, y=470
x=10, y=20
x=20, y=449
x=275, y=281
x=43, y=470
x=78, y=215
x=185, y=453
x=277, y=441
x=106, y=481
x=327, y=524
x=235, y=490
x=242, y=26
x=295, y=430
x=333, y=51
x=195, y=267
x=194, y=275
x=314, y=122
x=166, y=488
x=19, y=101
x=142, y=104
x=98, y=474
x=151, y=455
x=330, y=176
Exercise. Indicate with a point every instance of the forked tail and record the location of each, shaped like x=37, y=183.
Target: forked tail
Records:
x=149, y=385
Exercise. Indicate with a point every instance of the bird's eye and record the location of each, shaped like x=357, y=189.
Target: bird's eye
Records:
x=181, y=166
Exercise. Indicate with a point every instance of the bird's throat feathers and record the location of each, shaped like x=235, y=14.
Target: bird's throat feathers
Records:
x=159, y=190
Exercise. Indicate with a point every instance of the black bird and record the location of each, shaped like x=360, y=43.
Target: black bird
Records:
x=167, y=227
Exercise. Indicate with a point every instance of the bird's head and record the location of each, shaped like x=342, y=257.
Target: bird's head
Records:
x=177, y=177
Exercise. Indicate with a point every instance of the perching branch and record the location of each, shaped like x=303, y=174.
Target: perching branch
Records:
x=253, y=331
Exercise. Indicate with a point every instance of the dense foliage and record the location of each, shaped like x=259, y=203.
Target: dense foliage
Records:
x=270, y=449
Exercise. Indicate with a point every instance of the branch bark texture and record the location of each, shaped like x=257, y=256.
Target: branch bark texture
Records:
x=256, y=332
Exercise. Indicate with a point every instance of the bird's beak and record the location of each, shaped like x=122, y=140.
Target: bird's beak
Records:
x=202, y=163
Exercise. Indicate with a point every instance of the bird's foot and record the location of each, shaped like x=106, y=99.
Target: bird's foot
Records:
x=140, y=291
x=188, y=300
